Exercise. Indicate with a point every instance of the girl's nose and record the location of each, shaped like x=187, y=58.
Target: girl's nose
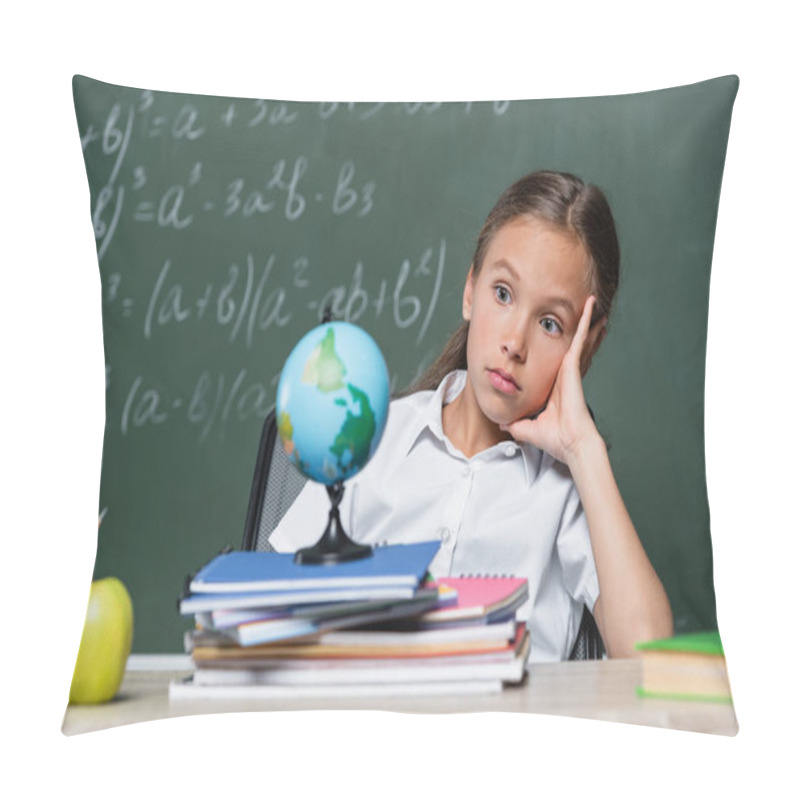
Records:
x=514, y=344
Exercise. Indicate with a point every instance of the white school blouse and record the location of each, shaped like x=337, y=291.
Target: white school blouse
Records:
x=511, y=509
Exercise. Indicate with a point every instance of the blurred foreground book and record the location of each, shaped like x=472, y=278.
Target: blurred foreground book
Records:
x=686, y=667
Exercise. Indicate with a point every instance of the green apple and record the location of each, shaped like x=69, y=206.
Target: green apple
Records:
x=105, y=643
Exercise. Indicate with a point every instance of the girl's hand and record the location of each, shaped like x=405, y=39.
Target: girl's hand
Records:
x=565, y=423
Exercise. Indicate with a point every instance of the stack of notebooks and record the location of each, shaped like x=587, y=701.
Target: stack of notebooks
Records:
x=267, y=627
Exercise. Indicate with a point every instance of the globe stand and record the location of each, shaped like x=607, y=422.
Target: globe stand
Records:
x=334, y=546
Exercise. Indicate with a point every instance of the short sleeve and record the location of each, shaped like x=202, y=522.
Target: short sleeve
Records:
x=575, y=553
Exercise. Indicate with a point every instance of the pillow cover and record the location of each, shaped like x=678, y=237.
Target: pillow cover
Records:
x=225, y=227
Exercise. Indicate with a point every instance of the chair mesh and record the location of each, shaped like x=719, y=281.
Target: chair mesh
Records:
x=588, y=643
x=284, y=483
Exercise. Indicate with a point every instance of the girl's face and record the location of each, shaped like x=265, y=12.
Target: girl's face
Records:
x=523, y=306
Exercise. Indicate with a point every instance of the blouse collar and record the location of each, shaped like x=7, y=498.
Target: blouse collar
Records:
x=429, y=417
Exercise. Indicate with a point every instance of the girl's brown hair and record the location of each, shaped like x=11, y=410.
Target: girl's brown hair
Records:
x=566, y=202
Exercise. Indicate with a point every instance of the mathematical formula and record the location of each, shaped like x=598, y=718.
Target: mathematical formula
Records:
x=189, y=123
x=210, y=405
x=159, y=185
x=244, y=306
x=251, y=297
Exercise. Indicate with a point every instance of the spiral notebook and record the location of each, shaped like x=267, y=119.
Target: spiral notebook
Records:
x=484, y=598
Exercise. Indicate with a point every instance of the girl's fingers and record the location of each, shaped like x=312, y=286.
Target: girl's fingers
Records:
x=579, y=340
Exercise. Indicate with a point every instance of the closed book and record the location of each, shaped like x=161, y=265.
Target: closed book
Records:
x=435, y=596
x=496, y=631
x=206, y=648
x=230, y=617
x=253, y=571
x=187, y=690
x=366, y=671
x=491, y=656
x=304, y=621
x=685, y=667
x=201, y=602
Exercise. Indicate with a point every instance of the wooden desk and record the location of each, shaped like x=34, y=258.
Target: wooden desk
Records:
x=601, y=690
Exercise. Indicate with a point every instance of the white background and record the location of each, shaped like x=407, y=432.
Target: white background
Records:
x=53, y=383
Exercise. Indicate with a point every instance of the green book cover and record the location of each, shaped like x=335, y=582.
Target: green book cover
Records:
x=700, y=698
x=706, y=642
x=700, y=643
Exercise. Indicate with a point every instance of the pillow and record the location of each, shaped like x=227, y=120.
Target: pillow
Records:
x=225, y=227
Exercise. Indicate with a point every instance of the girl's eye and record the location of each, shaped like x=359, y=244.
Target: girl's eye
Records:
x=502, y=294
x=551, y=326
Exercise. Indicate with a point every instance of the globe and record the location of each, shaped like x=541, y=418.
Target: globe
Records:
x=332, y=403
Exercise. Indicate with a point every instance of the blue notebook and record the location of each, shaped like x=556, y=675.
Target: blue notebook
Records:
x=253, y=571
x=199, y=602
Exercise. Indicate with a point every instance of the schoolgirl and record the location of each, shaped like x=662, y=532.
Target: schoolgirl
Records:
x=495, y=452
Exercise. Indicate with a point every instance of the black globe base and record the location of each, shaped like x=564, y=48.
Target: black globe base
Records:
x=334, y=546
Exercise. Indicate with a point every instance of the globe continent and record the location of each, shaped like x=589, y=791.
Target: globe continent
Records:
x=333, y=400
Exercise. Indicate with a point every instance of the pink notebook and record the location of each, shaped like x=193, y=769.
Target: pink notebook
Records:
x=488, y=598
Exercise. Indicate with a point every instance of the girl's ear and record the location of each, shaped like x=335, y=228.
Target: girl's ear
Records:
x=594, y=338
x=466, y=307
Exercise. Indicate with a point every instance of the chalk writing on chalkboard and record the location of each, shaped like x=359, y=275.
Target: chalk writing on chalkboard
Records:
x=218, y=261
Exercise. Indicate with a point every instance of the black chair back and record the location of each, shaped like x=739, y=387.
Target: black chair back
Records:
x=276, y=484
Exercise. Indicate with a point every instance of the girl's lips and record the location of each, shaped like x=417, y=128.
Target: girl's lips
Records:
x=503, y=382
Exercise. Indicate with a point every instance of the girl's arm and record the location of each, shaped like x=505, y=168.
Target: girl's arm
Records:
x=632, y=605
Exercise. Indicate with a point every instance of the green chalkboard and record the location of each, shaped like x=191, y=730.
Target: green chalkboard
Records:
x=224, y=226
